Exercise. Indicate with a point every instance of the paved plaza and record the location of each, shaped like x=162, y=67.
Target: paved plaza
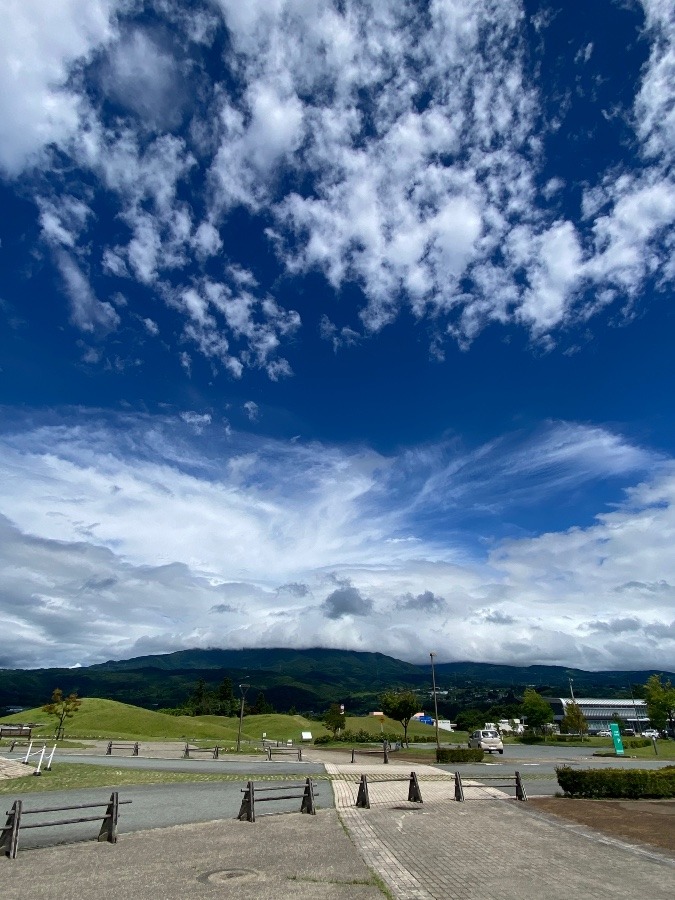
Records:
x=490, y=845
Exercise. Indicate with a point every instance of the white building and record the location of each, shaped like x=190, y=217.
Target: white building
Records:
x=601, y=713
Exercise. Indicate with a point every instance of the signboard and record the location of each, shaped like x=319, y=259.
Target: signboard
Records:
x=616, y=737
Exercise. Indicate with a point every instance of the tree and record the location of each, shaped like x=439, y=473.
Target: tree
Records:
x=400, y=705
x=537, y=712
x=62, y=708
x=574, y=721
x=261, y=706
x=660, y=697
x=469, y=719
x=202, y=700
x=226, y=703
x=334, y=719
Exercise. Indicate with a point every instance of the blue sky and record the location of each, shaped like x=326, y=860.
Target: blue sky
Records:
x=338, y=324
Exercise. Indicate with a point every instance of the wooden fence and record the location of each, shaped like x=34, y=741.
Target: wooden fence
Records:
x=506, y=781
x=9, y=837
x=261, y=794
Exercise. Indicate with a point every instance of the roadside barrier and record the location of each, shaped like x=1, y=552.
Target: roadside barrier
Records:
x=134, y=747
x=41, y=753
x=9, y=837
x=284, y=751
x=384, y=753
x=252, y=794
x=363, y=796
x=512, y=781
x=214, y=751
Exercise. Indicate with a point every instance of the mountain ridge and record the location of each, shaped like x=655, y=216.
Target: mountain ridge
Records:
x=309, y=679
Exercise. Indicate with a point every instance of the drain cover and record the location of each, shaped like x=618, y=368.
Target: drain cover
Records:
x=222, y=876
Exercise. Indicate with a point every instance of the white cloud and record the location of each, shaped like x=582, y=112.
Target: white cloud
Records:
x=88, y=313
x=397, y=152
x=39, y=45
x=143, y=530
x=252, y=410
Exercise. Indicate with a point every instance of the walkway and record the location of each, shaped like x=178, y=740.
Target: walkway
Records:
x=490, y=845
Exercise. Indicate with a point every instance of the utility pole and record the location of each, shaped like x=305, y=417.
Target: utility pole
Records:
x=243, y=688
x=433, y=682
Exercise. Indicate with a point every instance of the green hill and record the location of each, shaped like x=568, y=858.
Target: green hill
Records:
x=108, y=719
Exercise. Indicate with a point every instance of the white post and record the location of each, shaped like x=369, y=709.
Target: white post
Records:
x=25, y=759
x=48, y=767
x=42, y=756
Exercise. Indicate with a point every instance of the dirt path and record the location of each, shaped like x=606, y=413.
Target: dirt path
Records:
x=648, y=822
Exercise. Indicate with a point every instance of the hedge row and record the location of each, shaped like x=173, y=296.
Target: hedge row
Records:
x=617, y=783
x=358, y=737
x=634, y=743
x=458, y=755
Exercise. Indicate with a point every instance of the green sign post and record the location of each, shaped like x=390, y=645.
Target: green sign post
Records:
x=616, y=737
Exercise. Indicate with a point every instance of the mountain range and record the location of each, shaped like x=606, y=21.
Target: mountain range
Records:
x=308, y=680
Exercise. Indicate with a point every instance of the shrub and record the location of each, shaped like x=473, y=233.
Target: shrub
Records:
x=617, y=783
x=638, y=742
x=458, y=755
x=531, y=739
x=323, y=739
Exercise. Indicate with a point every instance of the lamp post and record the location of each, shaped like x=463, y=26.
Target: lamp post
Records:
x=243, y=688
x=433, y=682
x=638, y=724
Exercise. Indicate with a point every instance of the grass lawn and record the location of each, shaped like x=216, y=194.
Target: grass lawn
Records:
x=70, y=776
x=110, y=720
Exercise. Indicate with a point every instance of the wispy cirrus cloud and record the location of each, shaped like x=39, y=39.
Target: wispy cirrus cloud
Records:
x=239, y=540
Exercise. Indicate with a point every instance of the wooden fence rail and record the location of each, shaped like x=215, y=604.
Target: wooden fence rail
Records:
x=252, y=793
x=9, y=837
x=384, y=753
x=363, y=796
x=284, y=751
x=511, y=781
x=127, y=745
x=214, y=751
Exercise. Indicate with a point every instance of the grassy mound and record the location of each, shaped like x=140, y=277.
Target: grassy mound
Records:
x=108, y=719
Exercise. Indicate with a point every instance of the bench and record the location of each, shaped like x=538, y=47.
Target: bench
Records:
x=134, y=747
x=214, y=751
x=252, y=793
x=9, y=837
x=363, y=796
x=284, y=751
x=512, y=781
x=16, y=731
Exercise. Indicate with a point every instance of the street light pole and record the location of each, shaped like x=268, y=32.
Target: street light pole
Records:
x=243, y=688
x=433, y=682
x=638, y=725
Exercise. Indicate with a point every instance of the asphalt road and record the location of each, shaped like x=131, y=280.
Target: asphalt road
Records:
x=152, y=806
x=244, y=767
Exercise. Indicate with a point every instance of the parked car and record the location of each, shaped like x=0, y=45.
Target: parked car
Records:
x=603, y=733
x=650, y=733
x=486, y=739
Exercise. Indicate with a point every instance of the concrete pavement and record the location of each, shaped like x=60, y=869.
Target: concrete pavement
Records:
x=439, y=849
